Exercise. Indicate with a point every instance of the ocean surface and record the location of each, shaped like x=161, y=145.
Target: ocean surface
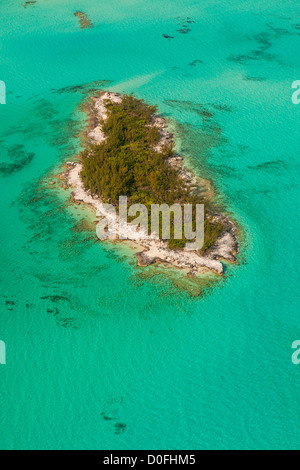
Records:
x=102, y=354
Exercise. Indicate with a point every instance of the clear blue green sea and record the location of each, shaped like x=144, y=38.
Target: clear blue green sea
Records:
x=102, y=354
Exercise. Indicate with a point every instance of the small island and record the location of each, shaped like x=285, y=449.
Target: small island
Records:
x=129, y=151
x=84, y=21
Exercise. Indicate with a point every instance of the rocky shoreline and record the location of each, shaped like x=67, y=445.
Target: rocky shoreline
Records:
x=152, y=250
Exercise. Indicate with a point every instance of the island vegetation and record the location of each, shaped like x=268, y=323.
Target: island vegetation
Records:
x=130, y=162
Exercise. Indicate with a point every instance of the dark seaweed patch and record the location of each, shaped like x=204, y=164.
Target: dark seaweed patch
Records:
x=54, y=311
x=106, y=418
x=69, y=89
x=30, y=3
x=111, y=415
x=279, y=32
x=83, y=225
x=254, y=79
x=204, y=113
x=18, y=160
x=252, y=56
x=256, y=54
x=182, y=21
x=84, y=89
x=184, y=30
x=264, y=43
x=9, y=305
x=270, y=166
x=62, y=132
x=65, y=322
x=184, y=26
x=202, y=110
x=120, y=428
x=195, y=62
x=55, y=298
x=45, y=110
x=227, y=171
x=221, y=107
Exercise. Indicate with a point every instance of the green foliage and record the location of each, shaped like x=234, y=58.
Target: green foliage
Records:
x=177, y=244
x=126, y=164
x=212, y=230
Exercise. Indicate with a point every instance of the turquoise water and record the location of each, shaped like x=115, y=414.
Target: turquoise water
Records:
x=99, y=353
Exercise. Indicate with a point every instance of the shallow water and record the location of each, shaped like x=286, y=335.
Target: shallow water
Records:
x=100, y=353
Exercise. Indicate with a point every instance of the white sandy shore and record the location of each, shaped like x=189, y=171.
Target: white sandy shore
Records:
x=153, y=250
